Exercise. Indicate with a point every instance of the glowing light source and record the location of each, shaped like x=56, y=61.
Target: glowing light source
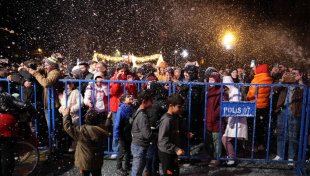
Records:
x=184, y=53
x=40, y=50
x=228, y=40
x=117, y=53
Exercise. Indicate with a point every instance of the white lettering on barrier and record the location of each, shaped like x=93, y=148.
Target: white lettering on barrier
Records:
x=245, y=109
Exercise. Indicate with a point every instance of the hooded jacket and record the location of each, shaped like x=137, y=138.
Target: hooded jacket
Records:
x=117, y=89
x=261, y=77
x=213, y=105
x=235, y=95
x=89, y=149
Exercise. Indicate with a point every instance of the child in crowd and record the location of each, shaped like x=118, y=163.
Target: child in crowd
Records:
x=233, y=123
x=168, y=137
x=213, y=117
x=90, y=138
x=122, y=132
x=141, y=133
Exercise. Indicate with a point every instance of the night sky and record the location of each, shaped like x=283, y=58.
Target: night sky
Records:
x=265, y=30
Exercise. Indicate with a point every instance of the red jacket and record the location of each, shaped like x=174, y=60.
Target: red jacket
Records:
x=8, y=125
x=213, y=109
x=117, y=89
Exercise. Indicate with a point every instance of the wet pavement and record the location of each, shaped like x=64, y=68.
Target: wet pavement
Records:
x=65, y=167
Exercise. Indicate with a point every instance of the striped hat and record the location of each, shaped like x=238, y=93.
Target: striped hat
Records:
x=52, y=61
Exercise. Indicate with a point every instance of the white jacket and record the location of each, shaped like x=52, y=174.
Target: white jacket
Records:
x=72, y=103
x=235, y=95
x=100, y=97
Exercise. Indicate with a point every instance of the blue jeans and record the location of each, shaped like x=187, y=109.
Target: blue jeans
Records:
x=115, y=144
x=139, y=159
x=152, y=161
x=292, y=130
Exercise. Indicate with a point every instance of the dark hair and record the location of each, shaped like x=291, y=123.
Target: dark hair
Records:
x=92, y=118
x=122, y=65
x=84, y=63
x=175, y=99
x=123, y=97
x=103, y=64
x=145, y=95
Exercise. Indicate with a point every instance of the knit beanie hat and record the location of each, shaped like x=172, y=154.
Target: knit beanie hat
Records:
x=52, y=61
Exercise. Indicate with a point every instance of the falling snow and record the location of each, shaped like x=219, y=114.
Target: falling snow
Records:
x=77, y=28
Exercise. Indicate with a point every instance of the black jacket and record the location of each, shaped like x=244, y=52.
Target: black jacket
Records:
x=168, y=134
x=141, y=130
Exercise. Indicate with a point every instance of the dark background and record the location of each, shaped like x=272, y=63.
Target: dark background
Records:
x=267, y=30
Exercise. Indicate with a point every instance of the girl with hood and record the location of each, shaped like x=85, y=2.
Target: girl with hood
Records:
x=233, y=124
x=213, y=117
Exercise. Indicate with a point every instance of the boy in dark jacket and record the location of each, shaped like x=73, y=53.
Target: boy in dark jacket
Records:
x=122, y=132
x=168, y=147
x=141, y=133
x=89, y=137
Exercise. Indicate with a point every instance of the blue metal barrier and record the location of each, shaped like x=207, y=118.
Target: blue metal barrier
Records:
x=173, y=88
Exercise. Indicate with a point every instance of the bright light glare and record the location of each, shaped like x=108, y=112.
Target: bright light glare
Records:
x=228, y=40
x=184, y=54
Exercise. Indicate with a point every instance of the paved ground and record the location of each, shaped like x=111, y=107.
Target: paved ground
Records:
x=64, y=167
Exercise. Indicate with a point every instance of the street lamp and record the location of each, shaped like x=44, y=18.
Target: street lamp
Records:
x=228, y=40
x=175, y=57
x=40, y=50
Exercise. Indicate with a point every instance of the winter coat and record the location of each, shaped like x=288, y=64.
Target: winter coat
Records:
x=85, y=76
x=48, y=80
x=213, y=109
x=89, y=149
x=20, y=78
x=235, y=95
x=296, y=102
x=121, y=127
x=117, y=89
x=8, y=125
x=141, y=130
x=74, y=102
x=100, y=97
x=261, y=77
x=168, y=134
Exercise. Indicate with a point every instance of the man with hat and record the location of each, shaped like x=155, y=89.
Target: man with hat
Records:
x=85, y=74
x=47, y=78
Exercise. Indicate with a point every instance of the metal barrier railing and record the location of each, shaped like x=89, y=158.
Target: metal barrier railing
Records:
x=174, y=87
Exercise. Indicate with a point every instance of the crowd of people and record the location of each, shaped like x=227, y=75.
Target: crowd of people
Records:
x=153, y=120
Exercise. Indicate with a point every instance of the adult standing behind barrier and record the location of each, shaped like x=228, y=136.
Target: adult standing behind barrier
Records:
x=233, y=124
x=116, y=90
x=289, y=106
x=193, y=96
x=85, y=75
x=261, y=76
x=72, y=99
x=48, y=78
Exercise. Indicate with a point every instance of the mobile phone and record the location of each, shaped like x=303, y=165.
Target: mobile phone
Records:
x=252, y=64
